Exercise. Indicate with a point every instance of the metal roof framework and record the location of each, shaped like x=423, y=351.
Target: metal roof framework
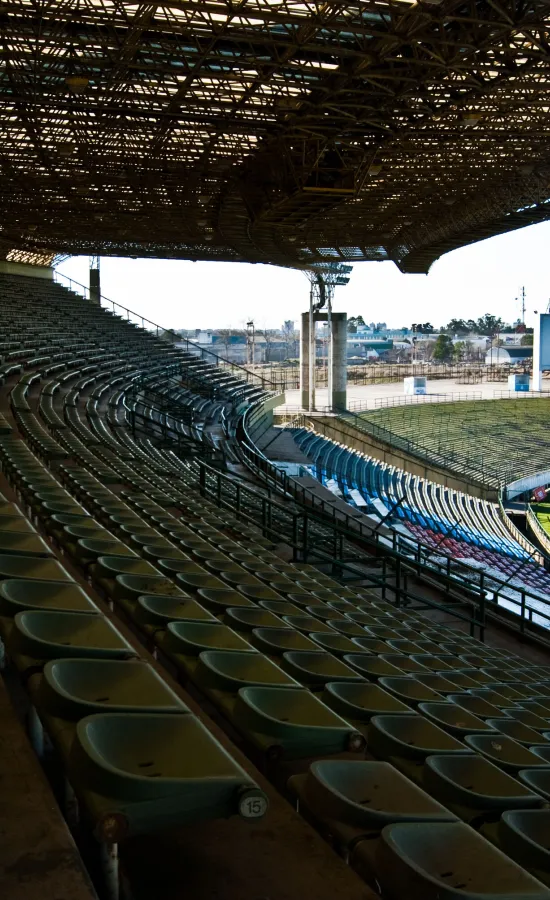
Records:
x=292, y=132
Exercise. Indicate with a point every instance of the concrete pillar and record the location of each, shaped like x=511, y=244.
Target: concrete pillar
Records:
x=304, y=362
x=339, y=339
x=95, y=287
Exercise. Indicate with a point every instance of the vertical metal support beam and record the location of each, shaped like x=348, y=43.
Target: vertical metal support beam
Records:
x=304, y=361
x=312, y=349
x=338, y=367
x=95, y=281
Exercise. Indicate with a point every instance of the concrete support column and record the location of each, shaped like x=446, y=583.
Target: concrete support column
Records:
x=304, y=361
x=339, y=337
x=95, y=286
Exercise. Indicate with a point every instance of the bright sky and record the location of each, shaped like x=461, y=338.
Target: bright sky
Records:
x=484, y=277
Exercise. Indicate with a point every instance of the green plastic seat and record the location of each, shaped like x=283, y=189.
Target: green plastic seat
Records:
x=473, y=782
x=293, y=723
x=382, y=631
x=74, y=688
x=538, y=779
x=275, y=641
x=504, y=752
x=542, y=750
x=510, y=692
x=43, y=634
x=300, y=599
x=401, y=645
x=449, y=861
x=528, y=717
x=88, y=550
x=308, y=624
x=454, y=719
x=347, y=627
x=191, y=638
x=183, y=565
x=131, y=587
x=436, y=682
x=315, y=669
x=155, y=771
x=111, y=566
x=362, y=701
x=370, y=645
x=22, y=544
x=517, y=731
x=156, y=610
x=280, y=607
x=365, y=795
x=404, y=663
x=16, y=523
x=495, y=698
x=476, y=705
x=411, y=690
x=195, y=581
x=238, y=576
x=525, y=836
x=224, y=598
x=410, y=737
x=163, y=549
x=338, y=644
x=16, y=595
x=461, y=679
x=371, y=667
x=32, y=567
x=229, y=671
x=258, y=592
x=248, y=619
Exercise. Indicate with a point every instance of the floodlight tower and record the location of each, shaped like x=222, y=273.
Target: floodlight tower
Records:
x=323, y=281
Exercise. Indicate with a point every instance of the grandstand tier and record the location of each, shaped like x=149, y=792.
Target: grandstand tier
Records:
x=129, y=566
x=491, y=443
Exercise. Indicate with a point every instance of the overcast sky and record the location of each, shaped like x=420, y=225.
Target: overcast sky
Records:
x=484, y=277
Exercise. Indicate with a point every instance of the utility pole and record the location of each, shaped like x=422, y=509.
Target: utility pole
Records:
x=523, y=305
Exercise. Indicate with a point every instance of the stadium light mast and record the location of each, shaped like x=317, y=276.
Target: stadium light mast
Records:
x=323, y=281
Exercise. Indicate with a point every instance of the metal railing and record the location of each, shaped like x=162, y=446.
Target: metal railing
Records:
x=518, y=536
x=541, y=535
x=484, y=475
x=489, y=594
x=167, y=334
x=404, y=400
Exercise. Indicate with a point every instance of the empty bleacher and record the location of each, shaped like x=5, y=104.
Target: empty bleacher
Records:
x=490, y=442
x=421, y=753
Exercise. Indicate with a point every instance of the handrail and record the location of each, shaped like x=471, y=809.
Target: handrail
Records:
x=175, y=337
x=405, y=400
x=537, y=529
x=516, y=533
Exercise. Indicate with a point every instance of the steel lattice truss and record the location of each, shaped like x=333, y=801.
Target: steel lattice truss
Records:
x=281, y=131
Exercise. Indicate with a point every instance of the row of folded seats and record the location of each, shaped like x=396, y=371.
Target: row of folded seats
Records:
x=458, y=753
x=421, y=753
x=449, y=521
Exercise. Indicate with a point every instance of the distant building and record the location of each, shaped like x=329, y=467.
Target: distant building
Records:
x=511, y=355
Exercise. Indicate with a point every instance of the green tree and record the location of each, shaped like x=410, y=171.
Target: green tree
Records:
x=354, y=322
x=526, y=340
x=443, y=348
x=489, y=324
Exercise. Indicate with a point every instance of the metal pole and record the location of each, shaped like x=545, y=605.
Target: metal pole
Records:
x=311, y=353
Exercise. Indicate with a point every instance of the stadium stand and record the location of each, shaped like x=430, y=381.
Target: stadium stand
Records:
x=422, y=752
x=478, y=439
x=449, y=521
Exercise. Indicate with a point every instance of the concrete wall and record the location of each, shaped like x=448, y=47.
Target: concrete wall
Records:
x=16, y=268
x=345, y=433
